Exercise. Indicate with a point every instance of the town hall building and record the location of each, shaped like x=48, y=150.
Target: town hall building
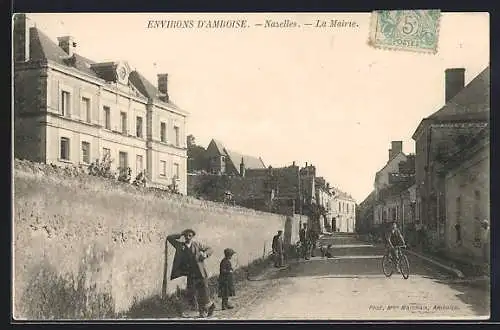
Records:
x=69, y=110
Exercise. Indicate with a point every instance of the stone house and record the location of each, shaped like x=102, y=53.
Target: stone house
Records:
x=343, y=212
x=364, y=214
x=384, y=179
x=230, y=162
x=465, y=114
x=70, y=110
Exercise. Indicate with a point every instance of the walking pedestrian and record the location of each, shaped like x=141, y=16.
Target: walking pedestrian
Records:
x=189, y=261
x=312, y=238
x=278, y=249
x=303, y=241
x=226, y=284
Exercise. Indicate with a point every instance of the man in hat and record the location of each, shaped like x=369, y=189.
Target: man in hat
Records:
x=189, y=260
x=303, y=240
x=278, y=249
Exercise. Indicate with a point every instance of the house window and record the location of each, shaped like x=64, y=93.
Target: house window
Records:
x=85, y=109
x=139, y=127
x=123, y=119
x=139, y=163
x=163, y=168
x=86, y=152
x=163, y=132
x=176, y=170
x=177, y=136
x=64, y=148
x=65, y=103
x=107, y=117
x=122, y=160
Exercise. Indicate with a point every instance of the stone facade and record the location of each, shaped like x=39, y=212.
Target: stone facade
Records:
x=69, y=110
x=465, y=113
x=364, y=214
x=383, y=181
x=468, y=200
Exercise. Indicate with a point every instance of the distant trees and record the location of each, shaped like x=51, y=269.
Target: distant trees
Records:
x=197, y=159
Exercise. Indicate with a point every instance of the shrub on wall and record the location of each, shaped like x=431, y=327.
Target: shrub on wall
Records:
x=102, y=168
x=60, y=217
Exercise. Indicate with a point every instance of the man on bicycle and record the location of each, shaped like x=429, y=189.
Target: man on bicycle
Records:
x=394, y=238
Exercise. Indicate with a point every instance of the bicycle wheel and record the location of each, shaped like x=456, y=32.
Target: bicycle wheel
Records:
x=404, y=266
x=387, y=265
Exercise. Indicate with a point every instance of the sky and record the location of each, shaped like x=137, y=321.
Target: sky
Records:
x=318, y=95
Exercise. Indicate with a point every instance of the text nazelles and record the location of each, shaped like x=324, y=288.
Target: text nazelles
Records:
x=214, y=24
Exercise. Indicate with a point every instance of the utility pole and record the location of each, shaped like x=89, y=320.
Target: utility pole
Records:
x=300, y=192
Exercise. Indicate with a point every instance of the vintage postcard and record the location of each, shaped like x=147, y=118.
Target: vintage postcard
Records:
x=251, y=166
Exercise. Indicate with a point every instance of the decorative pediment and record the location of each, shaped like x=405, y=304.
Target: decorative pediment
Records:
x=113, y=71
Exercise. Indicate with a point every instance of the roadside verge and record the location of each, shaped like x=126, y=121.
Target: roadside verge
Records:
x=452, y=270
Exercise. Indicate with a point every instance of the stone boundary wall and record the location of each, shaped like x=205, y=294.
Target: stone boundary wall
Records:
x=87, y=247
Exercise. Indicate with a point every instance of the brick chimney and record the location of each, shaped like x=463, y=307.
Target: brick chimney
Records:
x=163, y=86
x=68, y=44
x=21, y=37
x=454, y=82
x=396, y=147
x=242, y=167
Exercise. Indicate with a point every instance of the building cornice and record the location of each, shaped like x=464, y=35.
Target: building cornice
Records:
x=37, y=65
x=459, y=124
x=168, y=107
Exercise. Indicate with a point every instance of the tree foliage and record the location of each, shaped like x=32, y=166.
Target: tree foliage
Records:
x=197, y=158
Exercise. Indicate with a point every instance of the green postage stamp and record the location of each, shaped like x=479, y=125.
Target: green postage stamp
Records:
x=411, y=30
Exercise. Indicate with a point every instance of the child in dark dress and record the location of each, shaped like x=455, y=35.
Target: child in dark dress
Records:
x=226, y=286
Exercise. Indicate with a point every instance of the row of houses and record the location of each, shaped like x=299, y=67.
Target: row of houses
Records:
x=245, y=180
x=72, y=111
x=443, y=188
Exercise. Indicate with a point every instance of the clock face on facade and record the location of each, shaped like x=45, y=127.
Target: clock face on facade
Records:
x=122, y=73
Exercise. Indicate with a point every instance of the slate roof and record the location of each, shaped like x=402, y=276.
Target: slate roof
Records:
x=44, y=49
x=473, y=98
x=472, y=103
x=389, y=161
x=235, y=157
x=339, y=193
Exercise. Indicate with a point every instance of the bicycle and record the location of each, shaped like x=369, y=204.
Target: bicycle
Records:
x=402, y=263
